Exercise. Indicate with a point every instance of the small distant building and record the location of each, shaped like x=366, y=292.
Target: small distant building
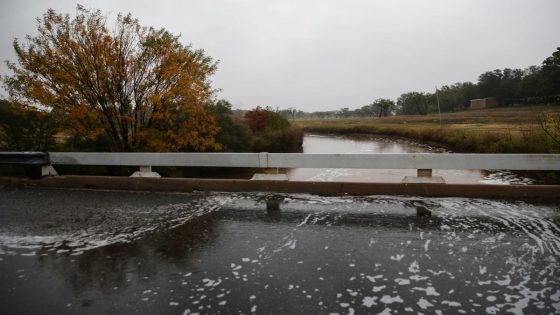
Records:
x=484, y=103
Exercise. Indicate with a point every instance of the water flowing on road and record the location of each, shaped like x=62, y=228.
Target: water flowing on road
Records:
x=91, y=252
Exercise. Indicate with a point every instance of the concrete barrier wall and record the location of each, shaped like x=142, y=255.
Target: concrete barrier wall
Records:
x=545, y=192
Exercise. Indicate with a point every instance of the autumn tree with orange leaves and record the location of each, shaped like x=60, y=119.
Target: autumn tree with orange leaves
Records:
x=138, y=86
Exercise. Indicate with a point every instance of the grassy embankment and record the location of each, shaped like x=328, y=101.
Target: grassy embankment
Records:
x=494, y=130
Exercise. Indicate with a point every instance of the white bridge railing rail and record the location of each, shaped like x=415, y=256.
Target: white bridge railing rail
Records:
x=311, y=160
x=423, y=162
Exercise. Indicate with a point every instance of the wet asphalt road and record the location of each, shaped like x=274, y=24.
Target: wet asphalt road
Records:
x=102, y=252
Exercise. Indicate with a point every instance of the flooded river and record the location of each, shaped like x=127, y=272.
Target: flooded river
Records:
x=110, y=252
x=380, y=144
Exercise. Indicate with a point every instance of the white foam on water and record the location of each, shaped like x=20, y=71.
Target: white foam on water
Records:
x=386, y=311
x=373, y=278
x=91, y=239
x=369, y=301
x=397, y=257
x=402, y=281
x=451, y=303
x=379, y=288
x=386, y=299
x=426, y=245
x=428, y=290
x=414, y=267
x=424, y=304
x=417, y=278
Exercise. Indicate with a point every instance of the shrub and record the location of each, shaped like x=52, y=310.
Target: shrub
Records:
x=233, y=135
x=272, y=132
x=23, y=128
x=260, y=120
x=285, y=140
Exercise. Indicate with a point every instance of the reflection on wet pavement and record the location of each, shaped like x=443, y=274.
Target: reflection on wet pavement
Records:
x=224, y=253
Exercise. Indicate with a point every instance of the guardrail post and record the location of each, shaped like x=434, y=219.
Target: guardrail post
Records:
x=48, y=170
x=423, y=175
x=268, y=174
x=145, y=171
x=263, y=160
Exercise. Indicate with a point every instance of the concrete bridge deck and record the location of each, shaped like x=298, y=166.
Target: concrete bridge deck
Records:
x=550, y=192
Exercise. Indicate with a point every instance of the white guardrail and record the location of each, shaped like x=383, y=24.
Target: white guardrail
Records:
x=423, y=162
x=312, y=160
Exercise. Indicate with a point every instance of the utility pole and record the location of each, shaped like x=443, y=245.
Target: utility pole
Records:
x=439, y=110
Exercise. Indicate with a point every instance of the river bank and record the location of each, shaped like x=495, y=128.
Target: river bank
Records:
x=495, y=130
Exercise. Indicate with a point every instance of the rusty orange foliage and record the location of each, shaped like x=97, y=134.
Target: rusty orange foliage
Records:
x=257, y=119
x=139, y=86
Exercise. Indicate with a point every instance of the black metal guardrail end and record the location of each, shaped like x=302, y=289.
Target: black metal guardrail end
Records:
x=25, y=158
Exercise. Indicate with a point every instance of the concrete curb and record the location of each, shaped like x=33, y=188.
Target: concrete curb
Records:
x=548, y=192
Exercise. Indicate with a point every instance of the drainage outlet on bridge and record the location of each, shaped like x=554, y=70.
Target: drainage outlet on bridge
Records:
x=273, y=204
x=422, y=211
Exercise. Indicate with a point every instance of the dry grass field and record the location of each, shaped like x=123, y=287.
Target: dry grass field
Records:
x=494, y=130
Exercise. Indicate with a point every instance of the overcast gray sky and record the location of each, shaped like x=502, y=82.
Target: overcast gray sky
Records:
x=324, y=55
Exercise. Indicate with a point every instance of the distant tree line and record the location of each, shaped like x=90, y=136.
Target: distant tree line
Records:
x=532, y=85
